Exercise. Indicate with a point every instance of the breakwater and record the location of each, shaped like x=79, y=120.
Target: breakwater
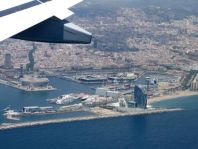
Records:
x=45, y=122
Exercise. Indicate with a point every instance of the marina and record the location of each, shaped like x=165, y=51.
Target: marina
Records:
x=128, y=79
x=115, y=99
x=102, y=78
x=19, y=99
x=106, y=101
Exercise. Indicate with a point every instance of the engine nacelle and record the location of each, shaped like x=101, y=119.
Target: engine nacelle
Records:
x=54, y=30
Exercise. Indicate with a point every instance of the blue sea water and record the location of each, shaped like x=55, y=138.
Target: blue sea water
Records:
x=175, y=130
x=186, y=103
x=17, y=99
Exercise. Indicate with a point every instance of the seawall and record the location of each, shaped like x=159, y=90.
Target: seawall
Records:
x=45, y=122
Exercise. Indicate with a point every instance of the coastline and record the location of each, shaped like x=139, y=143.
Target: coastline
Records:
x=76, y=119
x=173, y=96
x=103, y=114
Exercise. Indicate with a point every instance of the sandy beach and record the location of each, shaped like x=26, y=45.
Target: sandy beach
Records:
x=173, y=96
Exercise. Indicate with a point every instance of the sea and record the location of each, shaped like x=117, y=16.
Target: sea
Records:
x=16, y=99
x=174, y=130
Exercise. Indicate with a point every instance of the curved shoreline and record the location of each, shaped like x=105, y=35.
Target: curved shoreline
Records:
x=174, y=96
x=76, y=119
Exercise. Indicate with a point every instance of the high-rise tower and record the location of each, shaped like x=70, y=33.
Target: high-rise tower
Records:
x=140, y=96
x=7, y=61
x=21, y=71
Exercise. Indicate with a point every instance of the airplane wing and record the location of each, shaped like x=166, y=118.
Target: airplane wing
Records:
x=40, y=20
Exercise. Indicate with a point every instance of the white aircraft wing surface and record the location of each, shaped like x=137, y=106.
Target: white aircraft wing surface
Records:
x=17, y=16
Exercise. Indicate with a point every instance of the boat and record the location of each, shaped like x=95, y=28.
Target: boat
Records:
x=93, y=80
x=65, y=99
x=83, y=96
x=11, y=113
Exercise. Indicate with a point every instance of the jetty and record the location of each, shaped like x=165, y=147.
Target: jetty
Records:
x=100, y=114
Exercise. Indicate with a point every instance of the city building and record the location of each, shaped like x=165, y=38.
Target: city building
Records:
x=105, y=92
x=34, y=82
x=140, y=96
x=194, y=84
x=21, y=71
x=7, y=61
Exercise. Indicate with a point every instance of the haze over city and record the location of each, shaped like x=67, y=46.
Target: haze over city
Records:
x=134, y=86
